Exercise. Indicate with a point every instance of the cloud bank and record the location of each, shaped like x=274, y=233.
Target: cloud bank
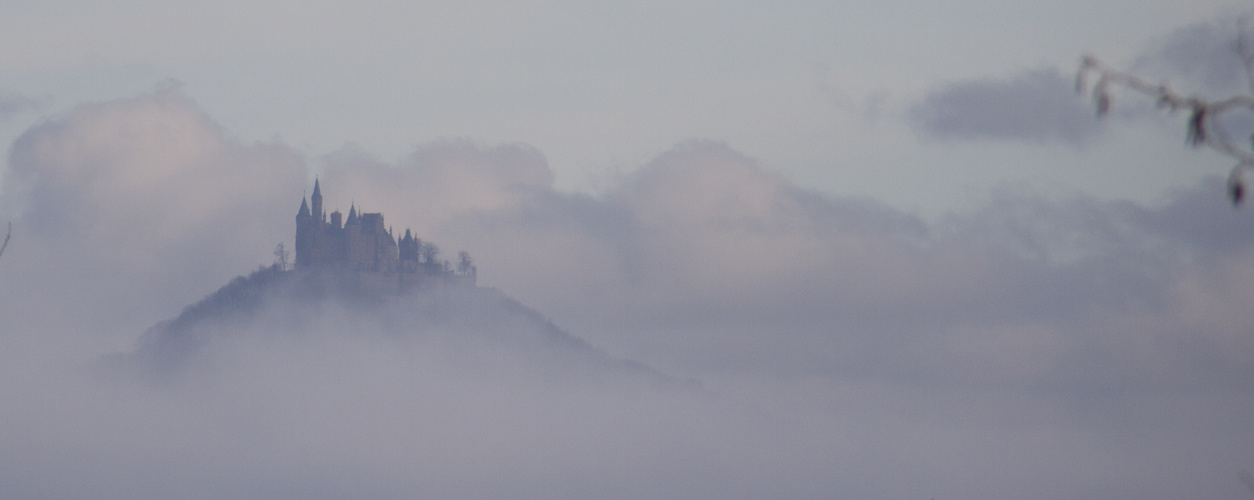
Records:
x=1201, y=58
x=13, y=103
x=119, y=199
x=1031, y=349
x=1041, y=105
x=1036, y=106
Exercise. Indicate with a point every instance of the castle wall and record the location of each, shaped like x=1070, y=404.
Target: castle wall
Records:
x=369, y=246
x=366, y=249
x=304, y=241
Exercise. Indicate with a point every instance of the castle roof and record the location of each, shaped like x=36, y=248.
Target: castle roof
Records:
x=304, y=209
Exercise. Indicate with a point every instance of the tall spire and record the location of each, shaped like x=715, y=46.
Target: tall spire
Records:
x=304, y=208
x=316, y=201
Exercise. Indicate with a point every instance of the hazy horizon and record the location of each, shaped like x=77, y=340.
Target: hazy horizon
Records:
x=890, y=268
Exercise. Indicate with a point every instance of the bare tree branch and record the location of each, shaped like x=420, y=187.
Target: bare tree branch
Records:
x=1205, y=127
x=7, y=234
x=1245, y=52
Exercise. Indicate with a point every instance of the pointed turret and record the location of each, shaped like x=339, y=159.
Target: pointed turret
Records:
x=305, y=228
x=352, y=215
x=316, y=201
x=408, y=250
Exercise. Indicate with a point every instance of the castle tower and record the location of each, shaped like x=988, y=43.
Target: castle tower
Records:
x=316, y=200
x=305, y=229
x=364, y=249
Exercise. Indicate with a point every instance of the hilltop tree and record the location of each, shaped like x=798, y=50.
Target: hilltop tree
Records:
x=1206, y=126
x=281, y=256
x=465, y=265
x=429, y=253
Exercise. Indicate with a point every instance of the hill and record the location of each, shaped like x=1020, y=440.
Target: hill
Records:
x=464, y=323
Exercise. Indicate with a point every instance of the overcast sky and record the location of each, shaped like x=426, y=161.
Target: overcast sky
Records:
x=900, y=256
x=824, y=93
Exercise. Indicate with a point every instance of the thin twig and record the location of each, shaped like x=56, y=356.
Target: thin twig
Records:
x=7, y=234
x=1204, y=127
x=1245, y=51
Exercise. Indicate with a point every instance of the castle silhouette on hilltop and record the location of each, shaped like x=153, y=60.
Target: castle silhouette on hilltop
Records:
x=363, y=248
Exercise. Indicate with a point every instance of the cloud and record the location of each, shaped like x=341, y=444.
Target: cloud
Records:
x=437, y=180
x=131, y=206
x=1041, y=105
x=702, y=261
x=1200, y=58
x=1035, y=106
x=1034, y=348
x=12, y=104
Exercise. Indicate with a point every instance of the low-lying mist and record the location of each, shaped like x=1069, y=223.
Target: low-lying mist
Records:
x=461, y=392
x=703, y=328
x=447, y=392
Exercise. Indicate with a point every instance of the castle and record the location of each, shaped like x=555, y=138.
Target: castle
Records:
x=364, y=250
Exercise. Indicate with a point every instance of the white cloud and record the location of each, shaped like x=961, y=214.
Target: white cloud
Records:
x=1034, y=348
x=1041, y=105
x=702, y=261
x=1200, y=58
x=135, y=206
x=13, y=103
x=437, y=180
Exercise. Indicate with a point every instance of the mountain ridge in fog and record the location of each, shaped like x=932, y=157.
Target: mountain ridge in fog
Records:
x=352, y=280
x=287, y=305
